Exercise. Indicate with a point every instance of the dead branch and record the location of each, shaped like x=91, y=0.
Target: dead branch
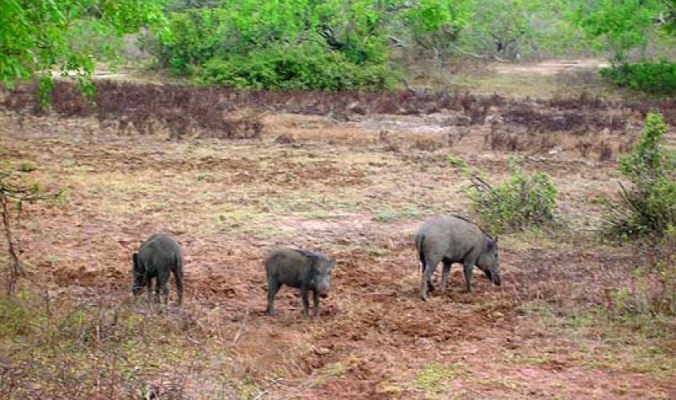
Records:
x=12, y=194
x=483, y=57
x=241, y=328
x=480, y=184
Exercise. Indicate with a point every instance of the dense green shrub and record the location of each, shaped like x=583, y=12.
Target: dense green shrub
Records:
x=649, y=77
x=523, y=201
x=295, y=67
x=224, y=48
x=195, y=37
x=305, y=44
x=182, y=5
x=648, y=207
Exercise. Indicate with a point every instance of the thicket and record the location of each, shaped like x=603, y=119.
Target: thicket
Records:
x=653, y=78
x=305, y=66
x=337, y=45
x=296, y=45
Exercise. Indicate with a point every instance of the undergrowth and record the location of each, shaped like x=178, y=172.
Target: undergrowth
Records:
x=648, y=207
x=298, y=67
x=647, y=216
x=102, y=348
x=523, y=201
x=650, y=77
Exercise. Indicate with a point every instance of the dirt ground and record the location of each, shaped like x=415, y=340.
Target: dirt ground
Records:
x=354, y=189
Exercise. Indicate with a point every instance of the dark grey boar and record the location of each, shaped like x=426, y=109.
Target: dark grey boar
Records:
x=452, y=239
x=156, y=258
x=299, y=269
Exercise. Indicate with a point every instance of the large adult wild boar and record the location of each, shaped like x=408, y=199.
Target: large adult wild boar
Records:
x=452, y=239
x=157, y=257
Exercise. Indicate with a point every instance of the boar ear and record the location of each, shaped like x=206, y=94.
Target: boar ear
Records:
x=332, y=263
x=496, y=240
x=135, y=258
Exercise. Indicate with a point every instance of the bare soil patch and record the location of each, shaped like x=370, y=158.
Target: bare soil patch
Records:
x=355, y=188
x=552, y=67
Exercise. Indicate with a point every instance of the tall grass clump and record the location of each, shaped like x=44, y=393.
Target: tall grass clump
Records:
x=646, y=216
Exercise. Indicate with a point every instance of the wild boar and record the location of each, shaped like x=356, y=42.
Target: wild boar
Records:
x=157, y=257
x=301, y=269
x=453, y=239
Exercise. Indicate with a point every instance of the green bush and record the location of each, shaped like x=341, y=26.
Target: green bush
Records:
x=193, y=37
x=218, y=48
x=292, y=45
x=306, y=66
x=182, y=5
x=525, y=200
x=654, y=78
x=648, y=207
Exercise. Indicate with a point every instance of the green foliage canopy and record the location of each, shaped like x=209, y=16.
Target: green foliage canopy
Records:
x=290, y=38
x=36, y=36
x=622, y=25
x=514, y=28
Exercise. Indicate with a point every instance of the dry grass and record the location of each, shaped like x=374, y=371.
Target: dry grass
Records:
x=337, y=188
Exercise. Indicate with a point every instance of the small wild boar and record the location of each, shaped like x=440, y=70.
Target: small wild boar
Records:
x=156, y=258
x=299, y=269
x=452, y=239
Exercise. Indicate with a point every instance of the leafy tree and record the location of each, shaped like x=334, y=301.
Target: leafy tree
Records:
x=622, y=25
x=510, y=29
x=36, y=35
x=436, y=25
x=360, y=32
x=667, y=16
x=182, y=5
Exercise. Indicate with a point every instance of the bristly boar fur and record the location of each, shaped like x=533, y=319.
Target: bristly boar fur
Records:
x=157, y=257
x=453, y=239
x=301, y=269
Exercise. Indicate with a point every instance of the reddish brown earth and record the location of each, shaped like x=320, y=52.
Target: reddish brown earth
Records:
x=355, y=190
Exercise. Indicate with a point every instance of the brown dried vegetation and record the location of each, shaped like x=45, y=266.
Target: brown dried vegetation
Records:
x=313, y=181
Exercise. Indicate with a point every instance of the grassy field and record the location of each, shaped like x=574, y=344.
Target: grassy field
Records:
x=355, y=186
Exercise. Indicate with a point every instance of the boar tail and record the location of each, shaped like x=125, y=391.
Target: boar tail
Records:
x=421, y=253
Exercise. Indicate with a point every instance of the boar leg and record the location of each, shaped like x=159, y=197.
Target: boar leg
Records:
x=430, y=286
x=315, y=299
x=306, y=301
x=427, y=279
x=149, y=285
x=163, y=285
x=468, y=266
x=446, y=272
x=273, y=288
x=178, y=276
